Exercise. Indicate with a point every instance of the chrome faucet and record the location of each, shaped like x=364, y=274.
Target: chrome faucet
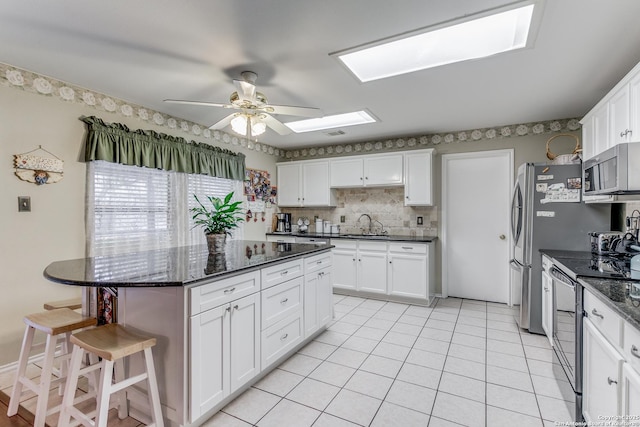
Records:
x=363, y=230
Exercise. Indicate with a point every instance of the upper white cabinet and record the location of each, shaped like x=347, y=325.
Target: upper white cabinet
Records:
x=418, y=187
x=367, y=171
x=615, y=119
x=304, y=184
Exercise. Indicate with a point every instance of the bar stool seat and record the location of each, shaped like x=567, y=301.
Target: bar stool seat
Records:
x=71, y=303
x=58, y=325
x=112, y=343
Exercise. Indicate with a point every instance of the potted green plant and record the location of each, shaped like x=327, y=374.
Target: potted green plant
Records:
x=217, y=220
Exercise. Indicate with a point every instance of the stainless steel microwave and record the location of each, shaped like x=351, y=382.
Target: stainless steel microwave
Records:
x=614, y=171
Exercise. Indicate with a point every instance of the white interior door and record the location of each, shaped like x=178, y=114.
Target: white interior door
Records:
x=476, y=240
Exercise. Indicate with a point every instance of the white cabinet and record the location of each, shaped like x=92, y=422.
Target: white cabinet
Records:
x=408, y=266
x=418, y=186
x=615, y=119
x=630, y=394
x=224, y=352
x=547, y=300
x=399, y=270
x=304, y=184
x=318, y=297
x=375, y=170
x=372, y=267
x=602, y=365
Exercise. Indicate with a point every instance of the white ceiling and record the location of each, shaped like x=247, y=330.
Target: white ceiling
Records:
x=144, y=51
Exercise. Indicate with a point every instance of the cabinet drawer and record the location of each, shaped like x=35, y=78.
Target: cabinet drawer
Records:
x=344, y=244
x=408, y=248
x=317, y=262
x=605, y=319
x=279, y=273
x=280, y=338
x=281, y=301
x=211, y=295
x=364, y=245
x=632, y=345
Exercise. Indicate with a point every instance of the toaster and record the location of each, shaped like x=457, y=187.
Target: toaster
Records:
x=601, y=241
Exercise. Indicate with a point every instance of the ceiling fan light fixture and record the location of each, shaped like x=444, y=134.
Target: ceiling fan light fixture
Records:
x=239, y=125
x=472, y=37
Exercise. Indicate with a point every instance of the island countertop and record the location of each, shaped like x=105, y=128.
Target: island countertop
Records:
x=179, y=266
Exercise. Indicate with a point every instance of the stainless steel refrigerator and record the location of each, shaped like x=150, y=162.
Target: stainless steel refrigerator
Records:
x=547, y=212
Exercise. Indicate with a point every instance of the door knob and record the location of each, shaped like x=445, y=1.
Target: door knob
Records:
x=502, y=237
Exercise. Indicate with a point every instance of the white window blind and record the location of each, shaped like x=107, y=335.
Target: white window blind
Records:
x=131, y=208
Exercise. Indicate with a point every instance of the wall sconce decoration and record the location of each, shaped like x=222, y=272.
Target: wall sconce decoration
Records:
x=38, y=169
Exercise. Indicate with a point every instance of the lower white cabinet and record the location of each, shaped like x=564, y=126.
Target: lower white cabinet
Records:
x=318, y=300
x=225, y=352
x=403, y=270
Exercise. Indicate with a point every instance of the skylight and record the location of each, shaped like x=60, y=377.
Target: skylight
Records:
x=478, y=36
x=330, y=122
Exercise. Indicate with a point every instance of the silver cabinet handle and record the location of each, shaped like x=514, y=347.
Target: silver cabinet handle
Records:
x=407, y=247
x=634, y=351
x=284, y=301
x=235, y=307
x=354, y=259
x=284, y=272
x=228, y=309
x=284, y=337
x=228, y=291
x=610, y=381
x=318, y=262
x=546, y=289
x=595, y=313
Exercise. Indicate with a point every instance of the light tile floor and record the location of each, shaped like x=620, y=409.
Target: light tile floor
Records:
x=459, y=362
x=384, y=364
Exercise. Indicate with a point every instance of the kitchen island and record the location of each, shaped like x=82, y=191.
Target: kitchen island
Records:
x=222, y=321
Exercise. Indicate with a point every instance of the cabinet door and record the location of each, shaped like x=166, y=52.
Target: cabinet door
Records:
x=600, y=130
x=372, y=271
x=601, y=369
x=209, y=357
x=547, y=306
x=417, y=179
x=619, y=116
x=315, y=184
x=311, y=284
x=345, y=268
x=588, y=138
x=289, y=185
x=347, y=172
x=634, y=109
x=244, y=340
x=325, y=297
x=408, y=275
x=383, y=170
x=630, y=394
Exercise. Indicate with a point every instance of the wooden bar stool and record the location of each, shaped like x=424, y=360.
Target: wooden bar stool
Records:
x=57, y=324
x=72, y=304
x=112, y=343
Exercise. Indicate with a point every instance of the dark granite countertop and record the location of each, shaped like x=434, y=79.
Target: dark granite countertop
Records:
x=385, y=238
x=178, y=266
x=623, y=296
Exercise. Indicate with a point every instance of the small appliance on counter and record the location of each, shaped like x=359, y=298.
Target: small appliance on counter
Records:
x=601, y=241
x=303, y=225
x=283, y=222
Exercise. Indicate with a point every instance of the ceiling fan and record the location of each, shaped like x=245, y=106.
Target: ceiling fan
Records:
x=254, y=113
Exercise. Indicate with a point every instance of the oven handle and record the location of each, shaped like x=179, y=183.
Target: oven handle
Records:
x=562, y=277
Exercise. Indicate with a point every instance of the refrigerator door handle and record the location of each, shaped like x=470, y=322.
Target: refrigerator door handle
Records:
x=516, y=213
x=516, y=265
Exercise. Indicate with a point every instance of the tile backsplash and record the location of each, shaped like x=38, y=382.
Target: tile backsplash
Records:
x=385, y=205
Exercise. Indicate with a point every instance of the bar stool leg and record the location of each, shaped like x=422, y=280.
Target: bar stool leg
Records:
x=72, y=383
x=123, y=408
x=152, y=389
x=104, y=392
x=27, y=342
x=45, y=381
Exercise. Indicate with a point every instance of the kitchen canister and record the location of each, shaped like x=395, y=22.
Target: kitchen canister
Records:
x=326, y=228
x=319, y=225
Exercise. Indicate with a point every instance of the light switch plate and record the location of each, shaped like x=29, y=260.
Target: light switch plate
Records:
x=24, y=204
x=419, y=220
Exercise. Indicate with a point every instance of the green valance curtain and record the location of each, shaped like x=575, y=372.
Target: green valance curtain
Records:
x=114, y=142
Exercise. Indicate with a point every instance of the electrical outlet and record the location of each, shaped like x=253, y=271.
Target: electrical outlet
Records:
x=24, y=204
x=343, y=219
x=419, y=220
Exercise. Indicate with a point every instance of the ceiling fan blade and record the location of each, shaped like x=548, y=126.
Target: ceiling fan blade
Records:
x=203, y=103
x=222, y=123
x=293, y=111
x=246, y=90
x=276, y=124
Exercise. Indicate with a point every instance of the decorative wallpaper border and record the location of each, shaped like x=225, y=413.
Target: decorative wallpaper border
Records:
x=46, y=86
x=31, y=82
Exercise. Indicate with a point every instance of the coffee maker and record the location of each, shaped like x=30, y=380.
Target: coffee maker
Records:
x=283, y=224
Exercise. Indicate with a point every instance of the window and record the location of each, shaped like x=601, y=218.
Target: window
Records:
x=131, y=208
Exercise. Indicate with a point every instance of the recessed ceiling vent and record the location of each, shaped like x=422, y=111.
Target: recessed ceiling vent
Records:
x=336, y=133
